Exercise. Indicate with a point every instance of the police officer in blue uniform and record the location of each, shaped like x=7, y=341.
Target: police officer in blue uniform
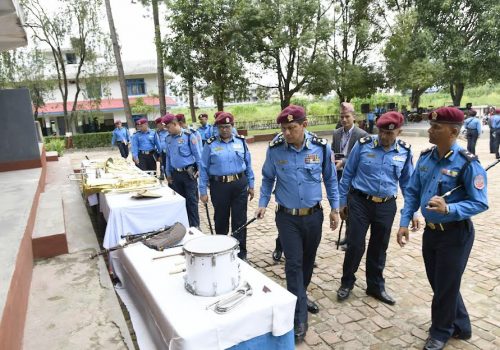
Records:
x=215, y=131
x=297, y=162
x=145, y=146
x=495, y=126
x=183, y=163
x=182, y=122
x=472, y=126
x=227, y=166
x=205, y=129
x=121, y=138
x=368, y=190
x=449, y=232
x=162, y=134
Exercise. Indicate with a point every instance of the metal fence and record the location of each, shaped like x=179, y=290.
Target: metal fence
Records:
x=271, y=124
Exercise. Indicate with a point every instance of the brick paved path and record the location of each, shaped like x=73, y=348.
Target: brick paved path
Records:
x=362, y=322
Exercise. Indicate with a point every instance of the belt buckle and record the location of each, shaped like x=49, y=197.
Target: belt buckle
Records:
x=431, y=225
x=441, y=227
x=377, y=199
x=303, y=211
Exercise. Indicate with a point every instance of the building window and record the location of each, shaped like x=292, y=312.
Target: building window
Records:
x=70, y=58
x=94, y=90
x=136, y=87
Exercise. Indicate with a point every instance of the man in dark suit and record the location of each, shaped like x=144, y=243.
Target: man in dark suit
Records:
x=344, y=139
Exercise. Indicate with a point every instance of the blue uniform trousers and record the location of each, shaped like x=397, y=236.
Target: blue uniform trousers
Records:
x=472, y=136
x=497, y=142
x=231, y=199
x=187, y=187
x=445, y=256
x=300, y=237
x=123, y=149
x=492, y=140
x=147, y=162
x=364, y=213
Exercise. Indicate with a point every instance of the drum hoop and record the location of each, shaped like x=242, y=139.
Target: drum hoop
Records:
x=224, y=252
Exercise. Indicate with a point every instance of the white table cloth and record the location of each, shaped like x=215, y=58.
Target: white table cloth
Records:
x=166, y=316
x=125, y=215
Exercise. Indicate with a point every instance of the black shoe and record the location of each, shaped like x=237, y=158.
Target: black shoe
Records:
x=312, y=307
x=277, y=254
x=344, y=247
x=343, y=293
x=434, y=344
x=382, y=296
x=457, y=334
x=300, y=332
x=342, y=241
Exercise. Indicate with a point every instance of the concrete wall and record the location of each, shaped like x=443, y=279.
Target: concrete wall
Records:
x=18, y=138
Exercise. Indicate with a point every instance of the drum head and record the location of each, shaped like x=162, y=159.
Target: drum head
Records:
x=211, y=244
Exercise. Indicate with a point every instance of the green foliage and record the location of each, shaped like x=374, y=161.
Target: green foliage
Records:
x=140, y=107
x=55, y=145
x=92, y=140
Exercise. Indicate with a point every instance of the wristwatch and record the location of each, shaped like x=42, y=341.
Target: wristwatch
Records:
x=447, y=210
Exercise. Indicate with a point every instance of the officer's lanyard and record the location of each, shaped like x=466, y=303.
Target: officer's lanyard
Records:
x=347, y=138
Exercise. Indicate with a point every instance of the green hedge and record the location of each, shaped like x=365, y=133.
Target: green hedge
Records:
x=91, y=140
x=55, y=144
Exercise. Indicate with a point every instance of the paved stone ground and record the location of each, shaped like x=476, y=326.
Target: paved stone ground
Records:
x=362, y=322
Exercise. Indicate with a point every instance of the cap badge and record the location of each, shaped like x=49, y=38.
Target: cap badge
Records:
x=434, y=115
x=227, y=120
x=290, y=118
x=391, y=126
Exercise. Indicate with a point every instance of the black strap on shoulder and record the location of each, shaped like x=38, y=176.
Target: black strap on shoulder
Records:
x=365, y=140
x=427, y=150
x=469, y=157
x=404, y=144
x=211, y=139
x=321, y=142
x=278, y=140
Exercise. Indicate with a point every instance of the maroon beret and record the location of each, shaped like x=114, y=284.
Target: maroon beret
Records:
x=497, y=111
x=180, y=117
x=203, y=115
x=158, y=120
x=450, y=115
x=141, y=121
x=390, y=121
x=472, y=112
x=168, y=118
x=224, y=118
x=217, y=114
x=292, y=113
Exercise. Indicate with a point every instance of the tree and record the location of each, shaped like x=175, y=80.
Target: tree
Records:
x=119, y=64
x=408, y=62
x=74, y=26
x=212, y=32
x=25, y=68
x=465, y=38
x=290, y=40
x=357, y=31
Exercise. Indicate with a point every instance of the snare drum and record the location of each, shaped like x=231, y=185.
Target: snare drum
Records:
x=212, y=267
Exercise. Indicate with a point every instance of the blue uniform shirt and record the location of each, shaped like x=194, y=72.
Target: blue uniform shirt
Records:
x=495, y=121
x=182, y=150
x=145, y=141
x=370, y=116
x=473, y=123
x=298, y=173
x=162, y=138
x=434, y=176
x=374, y=171
x=205, y=131
x=120, y=135
x=225, y=158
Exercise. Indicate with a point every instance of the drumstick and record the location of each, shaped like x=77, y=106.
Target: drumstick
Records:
x=167, y=256
x=177, y=270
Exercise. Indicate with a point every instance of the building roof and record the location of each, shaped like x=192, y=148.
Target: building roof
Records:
x=107, y=105
x=12, y=33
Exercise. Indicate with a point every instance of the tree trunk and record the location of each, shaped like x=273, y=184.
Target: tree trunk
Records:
x=285, y=102
x=191, y=100
x=159, y=58
x=219, y=100
x=119, y=65
x=416, y=93
x=456, y=92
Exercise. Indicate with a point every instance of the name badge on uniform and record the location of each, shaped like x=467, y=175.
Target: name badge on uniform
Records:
x=180, y=141
x=423, y=169
x=282, y=162
x=217, y=149
x=312, y=159
x=399, y=158
x=238, y=146
x=452, y=173
x=370, y=155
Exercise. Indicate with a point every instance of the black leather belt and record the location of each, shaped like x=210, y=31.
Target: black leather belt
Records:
x=227, y=178
x=299, y=211
x=444, y=226
x=146, y=152
x=180, y=170
x=374, y=199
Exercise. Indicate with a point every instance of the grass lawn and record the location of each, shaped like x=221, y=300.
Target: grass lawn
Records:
x=328, y=127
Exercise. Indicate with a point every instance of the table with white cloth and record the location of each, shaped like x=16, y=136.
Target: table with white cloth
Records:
x=126, y=215
x=166, y=316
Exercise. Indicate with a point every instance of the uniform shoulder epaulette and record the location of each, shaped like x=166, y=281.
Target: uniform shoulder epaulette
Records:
x=404, y=144
x=187, y=131
x=467, y=155
x=427, y=150
x=312, y=133
x=364, y=140
x=210, y=140
x=319, y=141
x=278, y=140
x=240, y=136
